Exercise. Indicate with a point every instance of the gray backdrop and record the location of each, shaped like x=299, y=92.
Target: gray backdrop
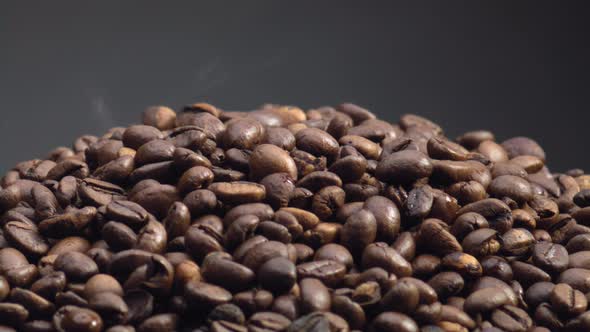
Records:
x=517, y=68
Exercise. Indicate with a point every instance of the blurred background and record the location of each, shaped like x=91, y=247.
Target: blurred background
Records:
x=516, y=68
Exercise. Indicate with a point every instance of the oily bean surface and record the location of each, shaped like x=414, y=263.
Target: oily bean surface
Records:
x=286, y=219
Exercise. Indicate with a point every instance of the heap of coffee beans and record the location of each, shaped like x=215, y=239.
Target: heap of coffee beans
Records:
x=288, y=220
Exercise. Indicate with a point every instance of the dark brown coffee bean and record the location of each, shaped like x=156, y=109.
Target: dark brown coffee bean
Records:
x=447, y=284
x=485, y=300
x=119, y=236
x=280, y=137
x=254, y=300
x=577, y=278
x=550, y=257
x=240, y=192
x=154, y=152
x=156, y=199
x=528, y=274
x=219, y=269
x=200, y=241
x=314, y=295
x=438, y=240
x=263, y=252
x=136, y=136
x=464, y=264
x=448, y=172
x=335, y=252
x=393, y=321
x=205, y=296
x=279, y=189
x=359, y=231
x=402, y=297
x=111, y=307
x=517, y=242
x=26, y=238
x=482, y=242
x=519, y=146
x=497, y=267
x=72, y=318
x=160, y=117
x=545, y=316
x=579, y=242
x=511, y=318
x=327, y=201
x=565, y=299
x=140, y=305
x=36, y=305
x=268, y=321
x=329, y=272
x=513, y=187
x=268, y=159
x=76, y=266
x=160, y=322
x=404, y=167
x=538, y=293
x=349, y=168
x=381, y=255
x=102, y=283
x=277, y=275
x=317, y=180
x=243, y=133
x=496, y=212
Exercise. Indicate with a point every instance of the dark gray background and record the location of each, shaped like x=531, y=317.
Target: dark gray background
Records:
x=517, y=68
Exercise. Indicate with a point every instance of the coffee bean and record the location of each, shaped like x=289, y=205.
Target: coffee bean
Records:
x=205, y=296
x=435, y=237
x=359, y=231
x=314, y=295
x=219, y=269
x=404, y=167
x=521, y=146
x=511, y=318
x=277, y=275
x=567, y=300
x=550, y=257
x=160, y=117
x=517, y=242
x=393, y=321
x=72, y=318
x=76, y=266
x=161, y=322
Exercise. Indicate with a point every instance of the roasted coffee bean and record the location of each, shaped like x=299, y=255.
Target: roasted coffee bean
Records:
x=528, y=274
x=219, y=269
x=110, y=307
x=314, y=296
x=72, y=318
x=76, y=266
x=277, y=275
x=538, y=293
x=550, y=257
x=404, y=167
x=161, y=322
x=497, y=267
x=205, y=296
x=359, y=231
x=447, y=284
x=565, y=299
x=329, y=272
x=485, y=300
x=393, y=321
x=160, y=117
x=511, y=318
x=496, y=212
x=279, y=189
x=517, y=242
x=434, y=236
